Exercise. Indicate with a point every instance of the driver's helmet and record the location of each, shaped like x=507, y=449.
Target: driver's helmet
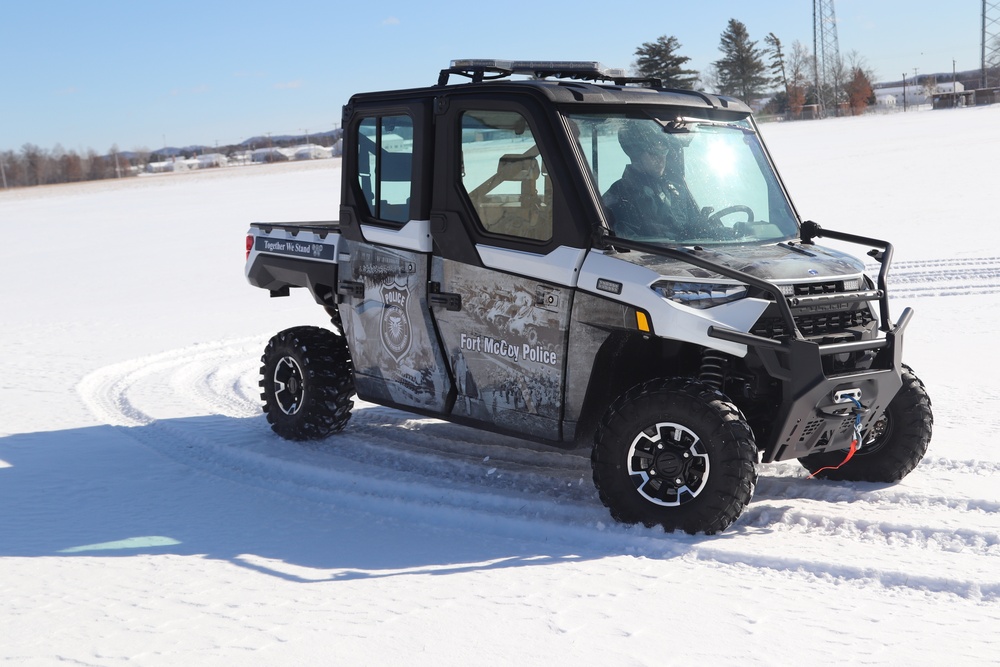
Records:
x=644, y=136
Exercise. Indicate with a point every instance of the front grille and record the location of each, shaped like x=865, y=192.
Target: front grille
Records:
x=827, y=323
x=820, y=324
x=810, y=289
x=811, y=324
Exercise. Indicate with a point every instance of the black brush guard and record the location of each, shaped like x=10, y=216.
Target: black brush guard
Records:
x=816, y=413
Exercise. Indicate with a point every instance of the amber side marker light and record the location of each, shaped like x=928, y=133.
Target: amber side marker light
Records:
x=642, y=321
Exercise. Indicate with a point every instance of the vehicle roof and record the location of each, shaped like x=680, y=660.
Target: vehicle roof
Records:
x=563, y=91
x=573, y=92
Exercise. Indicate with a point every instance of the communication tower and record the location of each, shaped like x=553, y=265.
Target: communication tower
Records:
x=826, y=65
x=991, y=43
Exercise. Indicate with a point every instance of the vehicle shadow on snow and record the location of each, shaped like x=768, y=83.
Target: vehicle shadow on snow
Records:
x=109, y=491
x=104, y=492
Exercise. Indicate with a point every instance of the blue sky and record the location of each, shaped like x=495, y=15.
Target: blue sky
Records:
x=145, y=73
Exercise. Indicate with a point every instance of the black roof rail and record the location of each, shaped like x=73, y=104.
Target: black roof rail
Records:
x=479, y=70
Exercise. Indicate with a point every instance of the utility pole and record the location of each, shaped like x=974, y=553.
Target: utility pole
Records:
x=3, y=173
x=904, y=92
x=954, y=85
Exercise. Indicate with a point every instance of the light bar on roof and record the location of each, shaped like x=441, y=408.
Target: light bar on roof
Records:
x=481, y=62
x=568, y=67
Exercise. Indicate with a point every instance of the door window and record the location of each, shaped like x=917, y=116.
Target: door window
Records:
x=385, y=166
x=504, y=175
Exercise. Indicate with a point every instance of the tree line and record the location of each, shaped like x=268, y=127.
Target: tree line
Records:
x=33, y=165
x=753, y=72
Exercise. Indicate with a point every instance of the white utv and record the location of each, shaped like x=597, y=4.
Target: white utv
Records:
x=581, y=258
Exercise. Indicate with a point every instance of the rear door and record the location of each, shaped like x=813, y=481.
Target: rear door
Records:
x=384, y=275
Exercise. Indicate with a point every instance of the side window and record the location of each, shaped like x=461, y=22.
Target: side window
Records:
x=505, y=176
x=385, y=166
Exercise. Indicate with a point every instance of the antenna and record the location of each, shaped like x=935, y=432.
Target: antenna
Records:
x=826, y=64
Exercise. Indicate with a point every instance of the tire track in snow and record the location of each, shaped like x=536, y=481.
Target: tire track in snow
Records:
x=943, y=277
x=872, y=496
x=982, y=542
x=389, y=462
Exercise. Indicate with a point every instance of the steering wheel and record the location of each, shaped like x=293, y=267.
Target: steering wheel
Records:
x=716, y=218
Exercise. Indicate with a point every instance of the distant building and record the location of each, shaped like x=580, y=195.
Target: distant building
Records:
x=885, y=101
x=271, y=155
x=312, y=152
x=212, y=160
x=174, y=164
x=917, y=93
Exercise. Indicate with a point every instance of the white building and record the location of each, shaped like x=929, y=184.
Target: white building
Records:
x=212, y=160
x=312, y=152
x=918, y=93
x=885, y=101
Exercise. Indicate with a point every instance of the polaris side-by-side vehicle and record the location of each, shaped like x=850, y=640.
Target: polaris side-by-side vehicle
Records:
x=582, y=258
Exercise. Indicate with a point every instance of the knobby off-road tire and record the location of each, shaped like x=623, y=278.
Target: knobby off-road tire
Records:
x=675, y=453
x=900, y=440
x=307, y=381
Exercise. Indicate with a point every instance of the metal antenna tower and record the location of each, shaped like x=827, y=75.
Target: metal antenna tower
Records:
x=991, y=42
x=826, y=63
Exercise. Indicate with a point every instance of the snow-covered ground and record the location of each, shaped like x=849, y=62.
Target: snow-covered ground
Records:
x=148, y=516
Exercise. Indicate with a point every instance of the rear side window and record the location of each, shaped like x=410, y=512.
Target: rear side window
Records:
x=385, y=166
x=505, y=176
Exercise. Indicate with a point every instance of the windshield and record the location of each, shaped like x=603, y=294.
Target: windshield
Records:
x=691, y=181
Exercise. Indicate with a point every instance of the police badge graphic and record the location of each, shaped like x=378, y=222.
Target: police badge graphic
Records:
x=395, y=329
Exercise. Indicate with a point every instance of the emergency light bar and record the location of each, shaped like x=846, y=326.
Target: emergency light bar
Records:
x=480, y=70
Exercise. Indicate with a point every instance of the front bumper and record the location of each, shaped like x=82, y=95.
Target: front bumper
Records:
x=813, y=416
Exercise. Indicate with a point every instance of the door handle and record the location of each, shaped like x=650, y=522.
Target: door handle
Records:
x=450, y=300
x=351, y=288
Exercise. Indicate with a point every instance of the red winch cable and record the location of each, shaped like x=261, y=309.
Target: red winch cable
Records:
x=855, y=443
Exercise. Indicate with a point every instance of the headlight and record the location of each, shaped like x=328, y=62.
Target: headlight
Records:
x=700, y=295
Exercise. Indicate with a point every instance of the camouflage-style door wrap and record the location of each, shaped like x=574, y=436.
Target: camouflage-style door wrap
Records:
x=506, y=347
x=397, y=357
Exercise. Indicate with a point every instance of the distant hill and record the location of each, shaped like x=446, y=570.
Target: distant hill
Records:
x=969, y=78
x=293, y=139
x=327, y=138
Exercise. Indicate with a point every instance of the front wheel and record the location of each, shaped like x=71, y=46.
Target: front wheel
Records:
x=307, y=381
x=675, y=453
x=894, y=444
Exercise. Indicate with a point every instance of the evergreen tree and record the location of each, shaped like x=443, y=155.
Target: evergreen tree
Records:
x=659, y=60
x=777, y=64
x=741, y=70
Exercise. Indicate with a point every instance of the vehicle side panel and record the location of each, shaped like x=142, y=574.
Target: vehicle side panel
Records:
x=397, y=359
x=506, y=347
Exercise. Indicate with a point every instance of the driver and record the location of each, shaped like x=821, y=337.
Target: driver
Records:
x=650, y=199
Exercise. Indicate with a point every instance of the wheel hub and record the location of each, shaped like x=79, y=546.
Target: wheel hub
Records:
x=288, y=387
x=877, y=435
x=668, y=464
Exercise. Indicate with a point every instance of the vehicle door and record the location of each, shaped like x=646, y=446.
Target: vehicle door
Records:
x=384, y=274
x=502, y=273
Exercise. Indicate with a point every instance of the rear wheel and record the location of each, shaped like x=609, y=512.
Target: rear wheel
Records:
x=896, y=442
x=307, y=381
x=675, y=453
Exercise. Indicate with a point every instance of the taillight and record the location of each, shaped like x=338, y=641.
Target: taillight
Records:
x=249, y=245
